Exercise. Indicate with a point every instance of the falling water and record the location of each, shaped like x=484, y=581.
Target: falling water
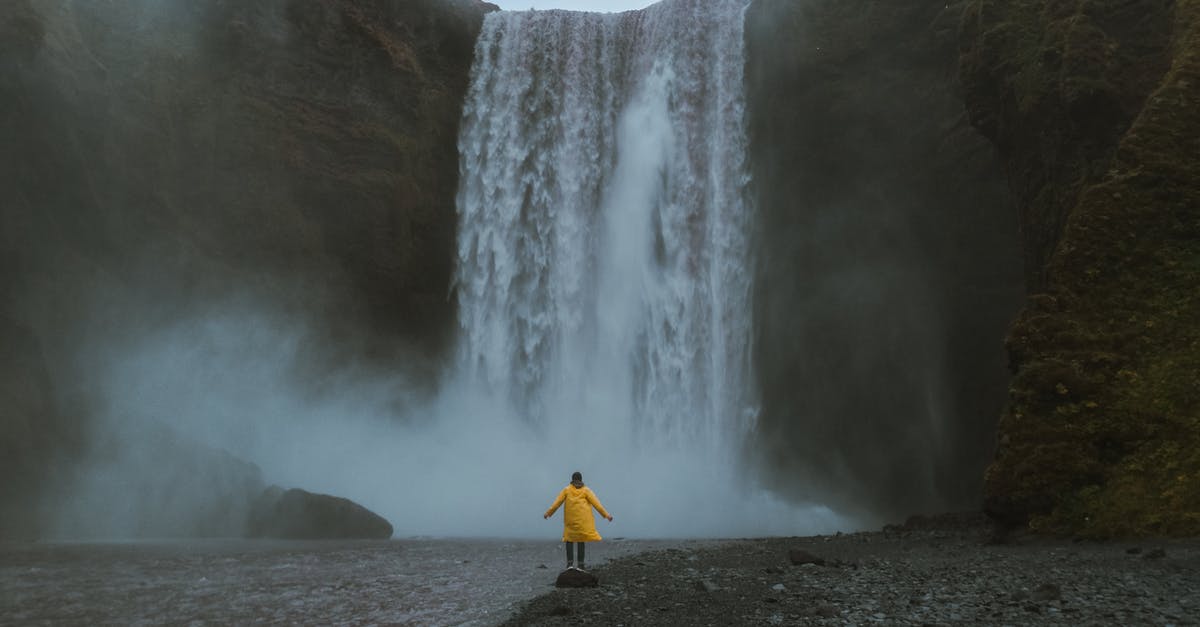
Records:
x=603, y=260
x=603, y=263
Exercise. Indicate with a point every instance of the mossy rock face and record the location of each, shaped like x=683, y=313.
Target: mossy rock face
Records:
x=1096, y=109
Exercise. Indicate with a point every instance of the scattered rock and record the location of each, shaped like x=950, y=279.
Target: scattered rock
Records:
x=1047, y=592
x=825, y=611
x=800, y=557
x=572, y=578
x=707, y=586
x=543, y=566
x=779, y=587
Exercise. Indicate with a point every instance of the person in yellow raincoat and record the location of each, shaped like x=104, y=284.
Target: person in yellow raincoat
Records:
x=578, y=524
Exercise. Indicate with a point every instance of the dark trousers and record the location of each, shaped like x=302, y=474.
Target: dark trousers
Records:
x=571, y=553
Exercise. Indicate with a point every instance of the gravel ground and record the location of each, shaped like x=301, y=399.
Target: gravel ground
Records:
x=948, y=570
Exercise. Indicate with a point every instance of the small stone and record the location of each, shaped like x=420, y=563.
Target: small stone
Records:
x=826, y=611
x=1047, y=592
x=799, y=558
x=778, y=587
x=707, y=586
x=543, y=566
x=1155, y=554
x=1133, y=550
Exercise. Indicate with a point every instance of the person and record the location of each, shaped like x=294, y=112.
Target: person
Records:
x=579, y=526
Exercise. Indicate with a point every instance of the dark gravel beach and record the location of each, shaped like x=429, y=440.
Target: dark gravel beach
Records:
x=948, y=570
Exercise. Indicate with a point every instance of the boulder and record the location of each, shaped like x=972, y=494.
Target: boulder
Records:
x=799, y=558
x=302, y=515
x=571, y=578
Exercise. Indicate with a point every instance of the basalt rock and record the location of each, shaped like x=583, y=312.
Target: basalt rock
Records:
x=800, y=557
x=1095, y=108
x=572, y=578
x=301, y=515
x=889, y=264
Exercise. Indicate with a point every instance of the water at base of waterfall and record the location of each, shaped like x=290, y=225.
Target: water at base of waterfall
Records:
x=405, y=582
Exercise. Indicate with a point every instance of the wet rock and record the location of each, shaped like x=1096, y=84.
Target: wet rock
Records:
x=800, y=557
x=572, y=578
x=302, y=515
x=1047, y=592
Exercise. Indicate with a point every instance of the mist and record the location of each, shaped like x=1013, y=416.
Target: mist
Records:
x=239, y=380
x=238, y=267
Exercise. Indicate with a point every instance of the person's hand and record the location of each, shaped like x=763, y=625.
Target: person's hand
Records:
x=610, y=519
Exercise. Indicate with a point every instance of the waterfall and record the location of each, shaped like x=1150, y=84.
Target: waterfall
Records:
x=604, y=270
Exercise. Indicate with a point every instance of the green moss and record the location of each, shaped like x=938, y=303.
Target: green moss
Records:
x=1102, y=434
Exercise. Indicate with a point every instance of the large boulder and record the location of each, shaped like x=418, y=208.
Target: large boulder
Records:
x=302, y=515
x=149, y=480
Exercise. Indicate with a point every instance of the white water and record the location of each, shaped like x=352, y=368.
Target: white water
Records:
x=604, y=288
x=604, y=268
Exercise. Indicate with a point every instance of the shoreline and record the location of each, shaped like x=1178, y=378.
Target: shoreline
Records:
x=930, y=571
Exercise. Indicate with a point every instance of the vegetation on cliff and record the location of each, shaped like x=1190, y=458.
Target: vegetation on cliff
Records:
x=1095, y=107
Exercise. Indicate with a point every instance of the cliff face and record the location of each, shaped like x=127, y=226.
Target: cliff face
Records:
x=1095, y=108
x=162, y=156
x=888, y=256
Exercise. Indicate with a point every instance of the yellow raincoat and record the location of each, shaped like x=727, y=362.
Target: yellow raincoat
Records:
x=578, y=523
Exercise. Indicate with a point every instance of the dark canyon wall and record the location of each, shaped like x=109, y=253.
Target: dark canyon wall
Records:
x=1095, y=107
x=889, y=262
x=159, y=157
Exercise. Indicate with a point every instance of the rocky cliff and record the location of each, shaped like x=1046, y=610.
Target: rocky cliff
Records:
x=1095, y=108
x=889, y=261
x=159, y=157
